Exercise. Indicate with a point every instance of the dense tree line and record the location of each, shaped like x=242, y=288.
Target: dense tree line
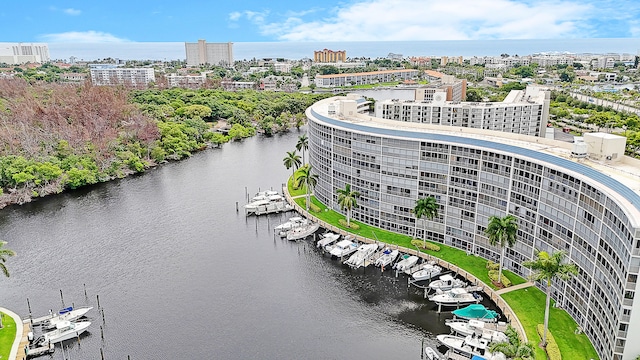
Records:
x=55, y=137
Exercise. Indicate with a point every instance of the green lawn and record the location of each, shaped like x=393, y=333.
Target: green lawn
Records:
x=529, y=304
x=7, y=335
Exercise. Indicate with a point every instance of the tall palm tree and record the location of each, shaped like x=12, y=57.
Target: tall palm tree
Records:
x=347, y=200
x=3, y=258
x=292, y=160
x=309, y=179
x=303, y=144
x=427, y=207
x=514, y=348
x=502, y=231
x=547, y=267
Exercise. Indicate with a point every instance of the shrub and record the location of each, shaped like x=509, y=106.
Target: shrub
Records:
x=422, y=245
x=493, y=275
x=492, y=266
x=553, y=352
x=351, y=225
x=313, y=207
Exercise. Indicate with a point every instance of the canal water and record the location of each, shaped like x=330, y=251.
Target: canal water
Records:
x=180, y=274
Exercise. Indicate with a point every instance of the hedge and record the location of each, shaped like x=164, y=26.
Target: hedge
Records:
x=553, y=352
x=351, y=225
x=493, y=275
x=422, y=245
x=493, y=266
x=313, y=207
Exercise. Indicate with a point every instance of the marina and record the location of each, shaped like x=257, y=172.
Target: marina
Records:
x=135, y=275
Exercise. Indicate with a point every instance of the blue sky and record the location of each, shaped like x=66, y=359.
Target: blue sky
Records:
x=327, y=20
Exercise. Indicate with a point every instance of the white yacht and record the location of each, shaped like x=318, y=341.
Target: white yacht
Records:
x=447, y=282
x=343, y=248
x=406, y=263
x=494, y=332
x=388, y=256
x=363, y=252
x=428, y=271
x=66, y=314
x=265, y=195
x=455, y=297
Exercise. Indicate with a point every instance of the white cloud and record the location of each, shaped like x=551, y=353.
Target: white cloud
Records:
x=235, y=16
x=398, y=20
x=73, y=12
x=83, y=37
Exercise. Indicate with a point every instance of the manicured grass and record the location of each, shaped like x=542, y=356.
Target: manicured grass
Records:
x=514, y=278
x=7, y=335
x=529, y=305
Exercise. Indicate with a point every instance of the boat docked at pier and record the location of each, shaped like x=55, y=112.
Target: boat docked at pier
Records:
x=477, y=312
x=302, y=232
x=343, y=248
x=469, y=345
x=406, y=262
x=387, y=258
x=455, y=297
x=327, y=239
x=427, y=272
x=363, y=252
x=67, y=314
x=446, y=282
x=64, y=330
x=292, y=223
x=431, y=354
x=494, y=332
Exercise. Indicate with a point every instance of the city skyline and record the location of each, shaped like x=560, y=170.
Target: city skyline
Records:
x=288, y=21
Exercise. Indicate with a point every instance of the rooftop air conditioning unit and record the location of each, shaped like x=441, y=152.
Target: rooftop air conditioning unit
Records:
x=579, y=147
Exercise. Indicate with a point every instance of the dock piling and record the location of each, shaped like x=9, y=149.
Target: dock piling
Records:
x=29, y=306
x=98, y=299
x=61, y=298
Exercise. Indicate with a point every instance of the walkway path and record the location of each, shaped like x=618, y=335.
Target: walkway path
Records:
x=16, y=343
x=515, y=287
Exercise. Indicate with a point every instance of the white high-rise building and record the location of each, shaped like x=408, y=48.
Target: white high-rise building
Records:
x=201, y=53
x=109, y=74
x=22, y=53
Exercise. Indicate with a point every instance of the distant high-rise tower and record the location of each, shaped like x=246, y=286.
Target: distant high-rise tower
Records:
x=201, y=53
x=22, y=53
x=329, y=56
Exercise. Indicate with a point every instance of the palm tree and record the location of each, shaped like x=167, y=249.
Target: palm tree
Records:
x=303, y=144
x=3, y=254
x=292, y=160
x=514, y=348
x=547, y=267
x=347, y=200
x=427, y=207
x=308, y=179
x=502, y=231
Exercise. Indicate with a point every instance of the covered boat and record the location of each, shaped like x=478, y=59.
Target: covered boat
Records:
x=477, y=312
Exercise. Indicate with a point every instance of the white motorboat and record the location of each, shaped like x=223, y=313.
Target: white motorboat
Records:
x=388, y=256
x=343, y=248
x=67, y=314
x=428, y=271
x=293, y=223
x=406, y=263
x=265, y=195
x=363, y=252
x=302, y=232
x=455, y=297
x=65, y=330
x=327, y=239
x=446, y=282
x=470, y=345
x=266, y=202
x=431, y=354
x=494, y=332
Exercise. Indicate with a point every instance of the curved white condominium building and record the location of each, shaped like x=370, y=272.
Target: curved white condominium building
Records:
x=588, y=206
